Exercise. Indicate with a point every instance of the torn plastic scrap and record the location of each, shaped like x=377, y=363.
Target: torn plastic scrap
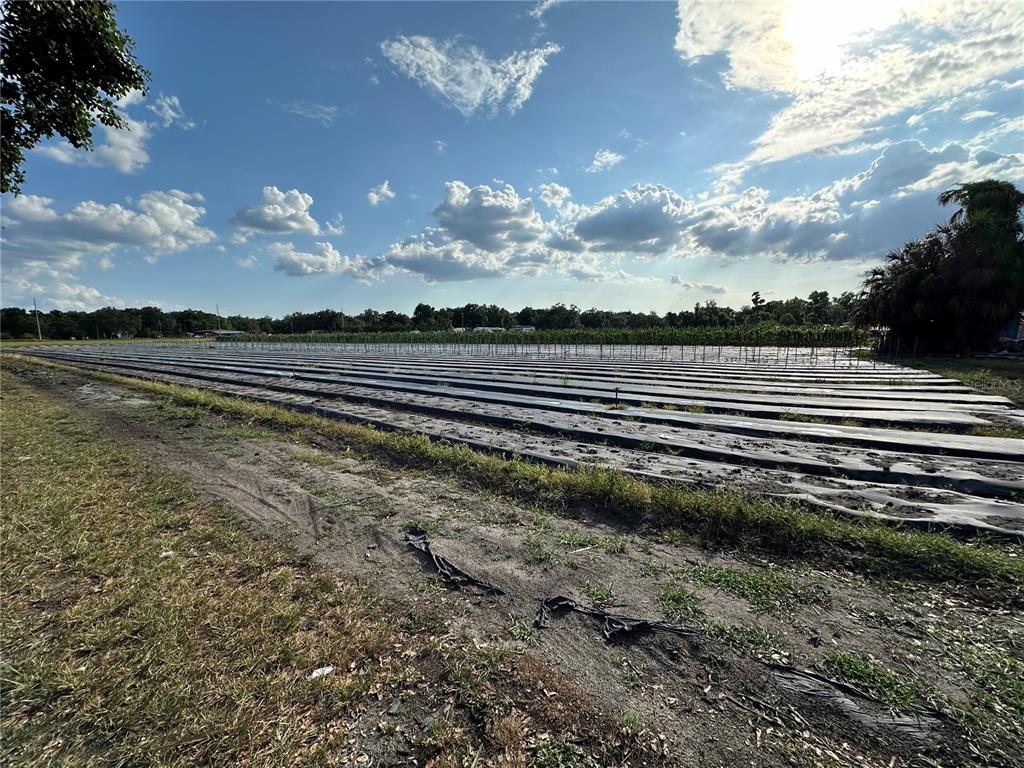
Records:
x=321, y=671
x=417, y=538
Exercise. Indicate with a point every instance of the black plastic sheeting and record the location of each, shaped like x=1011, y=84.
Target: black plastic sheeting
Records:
x=614, y=627
x=418, y=538
x=856, y=703
x=847, y=698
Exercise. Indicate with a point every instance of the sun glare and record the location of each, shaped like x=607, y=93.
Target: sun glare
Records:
x=818, y=33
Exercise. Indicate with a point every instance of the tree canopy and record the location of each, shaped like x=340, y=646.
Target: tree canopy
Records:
x=956, y=287
x=817, y=309
x=63, y=66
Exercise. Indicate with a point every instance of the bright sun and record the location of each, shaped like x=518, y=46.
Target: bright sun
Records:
x=818, y=31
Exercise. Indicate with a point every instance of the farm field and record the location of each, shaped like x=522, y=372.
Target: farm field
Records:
x=560, y=617
x=809, y=425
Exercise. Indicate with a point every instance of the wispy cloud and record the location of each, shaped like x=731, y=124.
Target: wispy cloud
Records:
x=170, y=112
x=464, y=77
x=603, y=160
x=321, y=113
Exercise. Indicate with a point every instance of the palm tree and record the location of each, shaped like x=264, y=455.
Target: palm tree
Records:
x=989, y=198
x=957, y=286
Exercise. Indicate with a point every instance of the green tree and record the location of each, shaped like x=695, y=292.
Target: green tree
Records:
x=957, y=286
x=63, y=65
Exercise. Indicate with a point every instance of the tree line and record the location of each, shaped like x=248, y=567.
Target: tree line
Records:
x=152, y=322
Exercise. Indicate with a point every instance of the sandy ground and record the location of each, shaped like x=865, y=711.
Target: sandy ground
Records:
x=710, y=701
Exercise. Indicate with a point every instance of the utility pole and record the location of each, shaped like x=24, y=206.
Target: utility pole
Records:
x=218, y=315
x=35, y=311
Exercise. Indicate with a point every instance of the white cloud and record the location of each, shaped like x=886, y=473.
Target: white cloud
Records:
x=164, y=222
x=131, y=98
x=43, y=247
x=440, y=146
x=380, y=193
x=335, y=227
x=70, y=296
x=491, y=231
x=75, y=297
x=321, y=113
x=686, y=285
x=645, y=220
x=325, y=260
x=123, y=149
x=482, y=232
x=900, y=164
x=279, y=212
x=462, y=74
x=437, y=257
x=170, y=112
x=860, y=217
x=588, y=270
x=492, y=220
x=977, y=114
x=847, y=68
x=543, y=6
x=603, y=160
x=554, y=195
x=31, y=208
x=247, y=262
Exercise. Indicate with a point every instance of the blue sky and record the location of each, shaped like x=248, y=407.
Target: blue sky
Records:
x=645, y=156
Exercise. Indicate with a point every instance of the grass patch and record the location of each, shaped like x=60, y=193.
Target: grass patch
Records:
x=999, y=430
x=871, y=677
x=753, y=641
x=765, y=591
x=988, y=375
x=717, y=516
x=561, y=753
x=314, y=458
x=599, y=595
x=801, y=417
x=523, y=631
x=680, y=604
x=537, y=552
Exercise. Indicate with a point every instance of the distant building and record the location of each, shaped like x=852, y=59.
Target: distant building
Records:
x=218, y=332
x=523, y=328
x=488, y=329
x=458, y=330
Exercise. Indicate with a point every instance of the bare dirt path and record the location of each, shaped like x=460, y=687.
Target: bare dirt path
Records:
x=727, y=695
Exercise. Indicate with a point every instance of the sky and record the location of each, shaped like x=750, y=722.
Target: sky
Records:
x=644, y=156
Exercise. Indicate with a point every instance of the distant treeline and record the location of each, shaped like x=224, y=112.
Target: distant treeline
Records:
x=818, y=309
x=753, y=335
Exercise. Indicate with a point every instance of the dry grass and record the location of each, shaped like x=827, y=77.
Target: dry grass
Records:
x=143, y=627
